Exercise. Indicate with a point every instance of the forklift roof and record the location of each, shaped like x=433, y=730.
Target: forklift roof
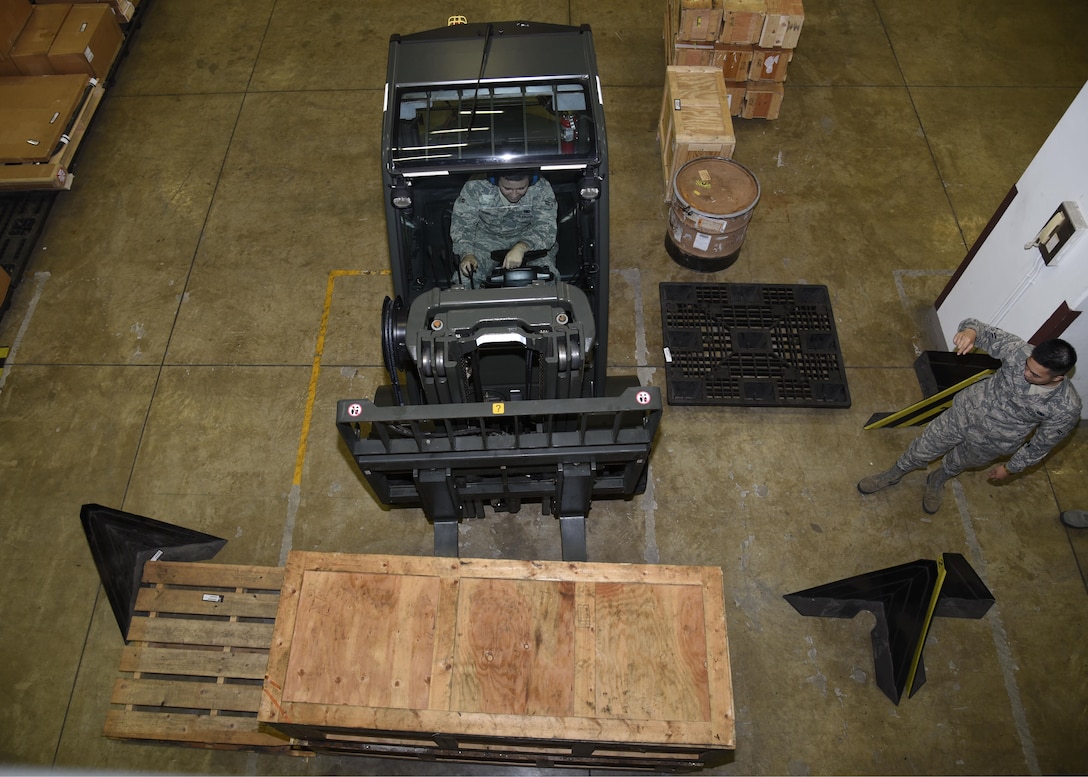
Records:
x=506, y=50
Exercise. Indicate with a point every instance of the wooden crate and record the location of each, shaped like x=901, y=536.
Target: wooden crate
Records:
x=769, y=64
x=695, y=20
x=782, y=27
x=734, y=93
x=695, y=119
x=194, y=667
x=54, y=173
x=735, y=61
x=686, y=53
x=762, y=100
x=742, y=21
x=546, y=663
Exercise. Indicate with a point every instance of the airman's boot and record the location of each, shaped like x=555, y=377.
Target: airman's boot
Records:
x=874, y=483
x=1075, y=519
x=931, y=502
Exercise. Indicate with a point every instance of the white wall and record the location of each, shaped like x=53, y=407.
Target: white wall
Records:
x=1010, y=287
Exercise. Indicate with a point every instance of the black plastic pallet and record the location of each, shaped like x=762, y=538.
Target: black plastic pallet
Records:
x=754, y=345
x=22, y=219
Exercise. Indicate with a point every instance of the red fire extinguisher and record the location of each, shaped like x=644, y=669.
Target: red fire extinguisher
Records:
x=567, y=133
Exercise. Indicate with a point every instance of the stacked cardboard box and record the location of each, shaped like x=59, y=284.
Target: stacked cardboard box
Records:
x=54, y=59
x=123, y=10
x=752, y=41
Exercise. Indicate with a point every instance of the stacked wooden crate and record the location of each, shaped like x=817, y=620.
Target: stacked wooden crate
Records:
x=695, y=120
x=751, y=41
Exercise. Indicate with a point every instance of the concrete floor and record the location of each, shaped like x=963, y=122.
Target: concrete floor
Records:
x=163, y=342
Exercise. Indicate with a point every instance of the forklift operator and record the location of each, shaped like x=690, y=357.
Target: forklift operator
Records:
x=496, y=221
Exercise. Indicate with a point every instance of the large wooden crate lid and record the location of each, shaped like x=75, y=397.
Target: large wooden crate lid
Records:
x=700, y=104
x=501, y=649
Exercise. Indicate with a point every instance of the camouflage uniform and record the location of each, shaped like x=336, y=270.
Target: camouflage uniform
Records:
x=994, y=417
x=485, y=221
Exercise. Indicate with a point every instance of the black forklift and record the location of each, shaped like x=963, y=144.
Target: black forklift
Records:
x=498, y=392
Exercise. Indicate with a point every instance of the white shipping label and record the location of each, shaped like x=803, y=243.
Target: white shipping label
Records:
x=701, y=241
x=88, y=54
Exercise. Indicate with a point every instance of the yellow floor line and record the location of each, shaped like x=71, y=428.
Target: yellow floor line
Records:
x=315, y=370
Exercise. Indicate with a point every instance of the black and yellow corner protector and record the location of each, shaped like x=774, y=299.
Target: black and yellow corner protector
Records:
x=121, y=543
x=4, y=351
x=941, y=375
x=904, y=599
x=927, y=409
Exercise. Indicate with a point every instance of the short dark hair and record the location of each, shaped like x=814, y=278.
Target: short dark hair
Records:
x=1056, y=355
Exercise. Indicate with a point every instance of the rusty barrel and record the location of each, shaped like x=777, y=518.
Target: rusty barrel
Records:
x=713, y=200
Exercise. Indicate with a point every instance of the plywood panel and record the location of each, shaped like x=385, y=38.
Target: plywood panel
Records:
x=515, y=647
x=363, y=640
x=651, y=648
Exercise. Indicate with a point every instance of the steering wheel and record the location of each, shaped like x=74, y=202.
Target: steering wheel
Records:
x=518, y=276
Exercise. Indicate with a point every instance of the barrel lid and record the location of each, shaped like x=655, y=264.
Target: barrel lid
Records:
x=716, y=186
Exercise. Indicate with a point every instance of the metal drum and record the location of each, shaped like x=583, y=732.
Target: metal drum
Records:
x=712, y=205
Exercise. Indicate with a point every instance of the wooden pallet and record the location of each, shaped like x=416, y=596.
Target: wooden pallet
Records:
x=195, y=663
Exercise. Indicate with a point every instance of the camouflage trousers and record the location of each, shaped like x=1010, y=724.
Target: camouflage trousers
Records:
x=959, y=440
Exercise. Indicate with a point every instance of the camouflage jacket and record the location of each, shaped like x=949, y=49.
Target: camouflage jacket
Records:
x=485, y=221
x=1003, y=410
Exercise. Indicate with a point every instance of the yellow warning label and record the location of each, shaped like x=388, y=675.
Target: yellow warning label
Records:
x=498, y=408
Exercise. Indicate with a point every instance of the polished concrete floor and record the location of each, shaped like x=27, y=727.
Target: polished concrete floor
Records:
x=164, y=338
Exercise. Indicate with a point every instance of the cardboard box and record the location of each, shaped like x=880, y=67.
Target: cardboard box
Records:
x=122, y=9
x=14, y=15
x=496, y=659
x=695, y=119
x=5, y=286
x=88, y=41
x=35, y=112
x=38, y=109
x=742, y=21
x=31, y=51
x=782, y=27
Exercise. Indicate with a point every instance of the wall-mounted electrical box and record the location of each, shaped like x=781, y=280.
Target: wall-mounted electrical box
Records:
x=1060, y=232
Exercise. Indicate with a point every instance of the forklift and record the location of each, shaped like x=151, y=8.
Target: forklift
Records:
x=498, y=392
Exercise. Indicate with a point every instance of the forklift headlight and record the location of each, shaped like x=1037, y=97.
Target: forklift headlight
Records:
x=402, y=196
x=590, y=188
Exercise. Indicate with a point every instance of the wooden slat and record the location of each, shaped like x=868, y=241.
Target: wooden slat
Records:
x=196, y=663
x=585, y=652
x=185, y=631
x=187, y=695
x=190, y=601
x=203, y=574
x=205, y=730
